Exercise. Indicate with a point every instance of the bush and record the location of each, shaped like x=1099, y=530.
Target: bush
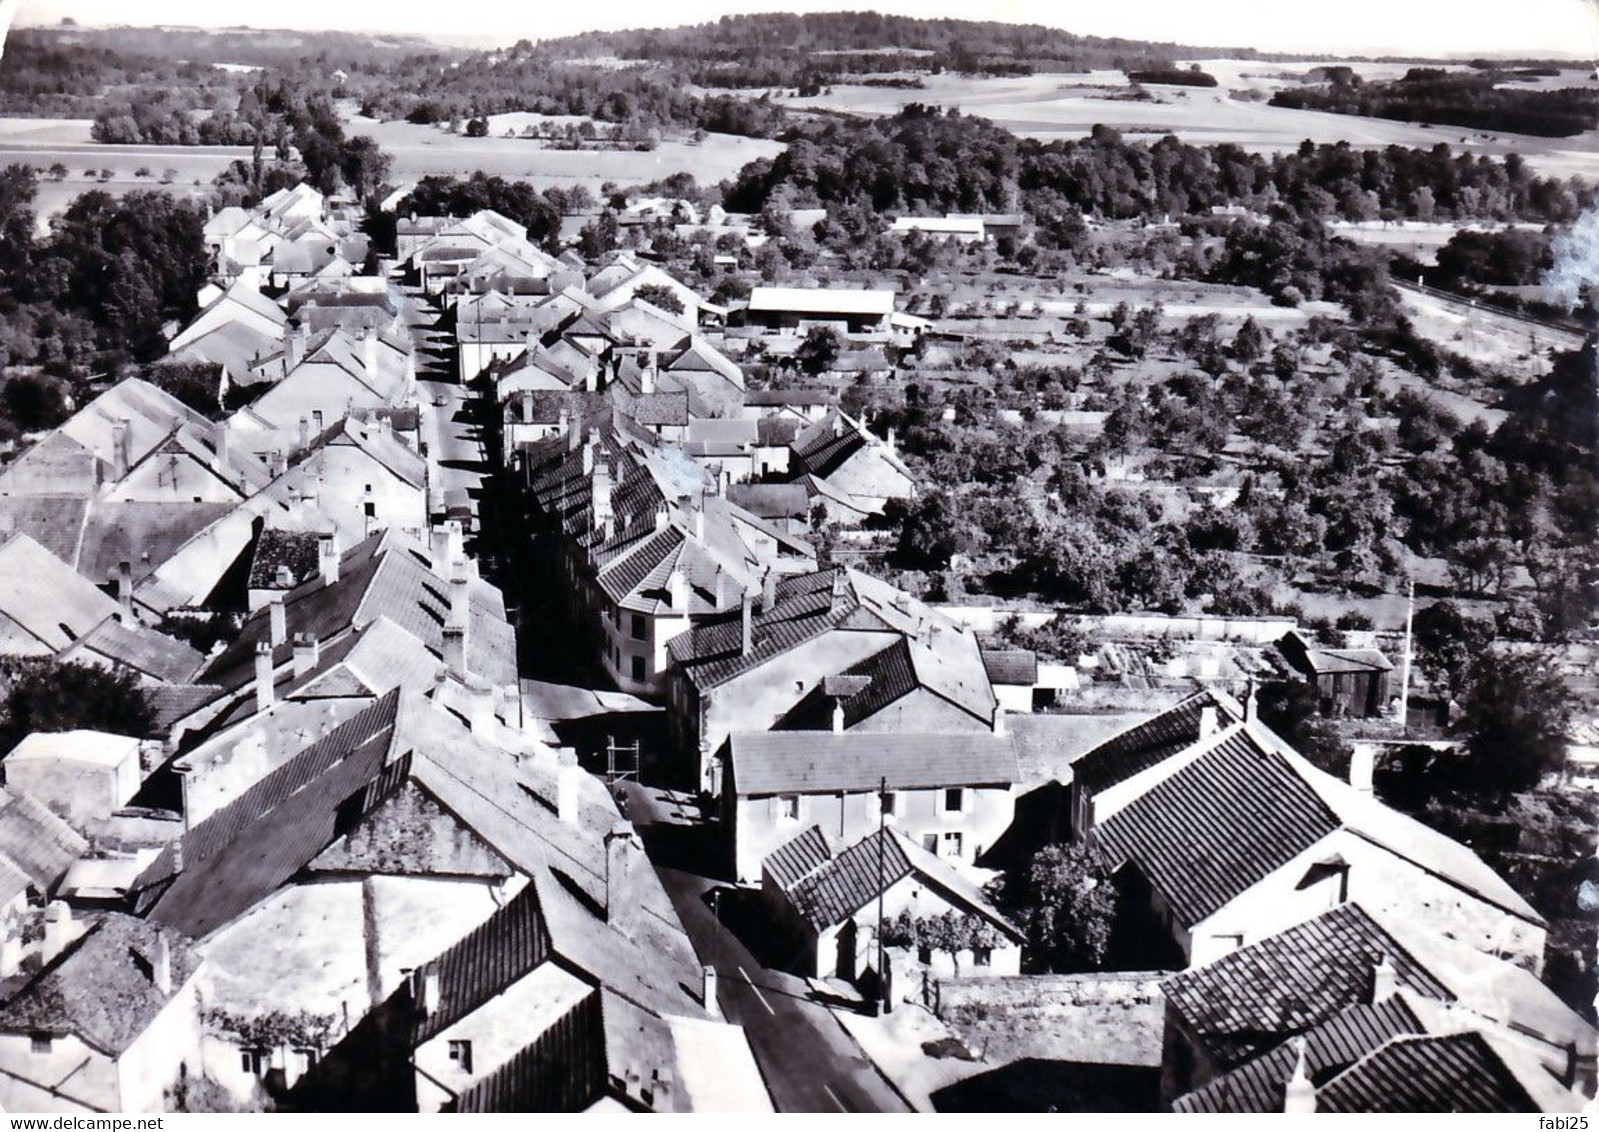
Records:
x=51, y=696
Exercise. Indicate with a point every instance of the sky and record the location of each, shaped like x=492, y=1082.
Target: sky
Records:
x=1544, y=28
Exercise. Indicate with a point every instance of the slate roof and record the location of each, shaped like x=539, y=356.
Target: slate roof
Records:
x=808, y=762
x=1253, y=999
x=1330, y=1048
x=101, y=988
x=1453, y=1073
x=1218, y=826
x=1151, y=742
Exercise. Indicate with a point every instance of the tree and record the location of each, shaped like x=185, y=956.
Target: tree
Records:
x=50, y=696
x=1066, y=902
x=1516, y=714
x=364, y=166
x=1448, y=641
x=949, y=932
x=660, y=295
x=477, y=128
x=33, y=402
x=1290, y=709
x=819, y=350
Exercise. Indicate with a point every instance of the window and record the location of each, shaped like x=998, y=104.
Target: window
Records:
x=890, y=802
x=304, y=1059
x=982, y=957
x=638, y=668
x=930, y=842
x=253, y=1061
x=788, y=806
x=924, y=954
x=952, y=844
x=371, y=509
x=641, y=631
x=954, y=800
x=41, y=1043
x=461, y=1054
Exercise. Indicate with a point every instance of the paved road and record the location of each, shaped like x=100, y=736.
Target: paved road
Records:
x=809, y=1062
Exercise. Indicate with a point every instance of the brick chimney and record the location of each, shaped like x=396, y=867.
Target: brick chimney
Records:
x=121, y=449
x=1300, y=1095
x=265, y=693
x=307, y=652
x=277, y=621
x=125, y=590
x=624, y=869
x=327, y=558
x=57, y=930
x=454, y=648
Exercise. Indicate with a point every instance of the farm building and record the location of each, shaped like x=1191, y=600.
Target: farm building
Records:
x=786, y=308
x=1348, y=681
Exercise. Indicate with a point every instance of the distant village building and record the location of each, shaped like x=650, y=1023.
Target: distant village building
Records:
x=1348, y=682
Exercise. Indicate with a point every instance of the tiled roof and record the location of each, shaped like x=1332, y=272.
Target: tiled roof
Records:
x=495, y=954
x=49, y=605
x=837, y=889
x=800, y=762
x=244, y=851
x=1141, y=747
x=1218, y=826
x=1251, y=1000
x=563, y=1070
x=174, y=702
x=1330, y=1048
x=1454, y=1073
x=37, y=842
x=1018, y=667
x=771, y=500
x=102, y=988
x=797, y=857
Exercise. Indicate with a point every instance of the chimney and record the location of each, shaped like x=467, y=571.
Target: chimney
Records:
x=560, y=423
x=747, y=630
x=699, y=522
x=889, y=439
x=1251, y=704
x=454, y=541
x=430, y=992
x=568, y=784
x=460, y=594
x=838, y=715
x=57, y=930
x=284, y=577
x=439, y=544
x=708, y=992
x=264, y=691
x=277, y=621
x=307, y=652
x=369, y=351
x=526, y=402
x=1299, y=1097
x=480, y=706
x=648, y=372
x=305, y=433
x=1362, y=766
x=601, y=485
x=839, y=582
x=677, y=591
x=623, y=864
x=177, y=853
x=663, y=516
x=1207, y=722
x=768, y=590
x=588, y=457
x=455, y=648
x=161, y=963
x=999, y=720
x=327, y=559
x=838, y=425
x=293, y=344
x=121, y=450
x=125, y=590
x=1384, y=981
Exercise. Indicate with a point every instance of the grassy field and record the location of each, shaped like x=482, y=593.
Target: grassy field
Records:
x=422, y=150
x=1049, y=106
x=41, y=142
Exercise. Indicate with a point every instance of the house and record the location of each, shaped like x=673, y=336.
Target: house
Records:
x=1350, y=984
x=44, y=605
x=794, y=308
x=1348, y=682
x=748, y=670
x=109, y=1022
x=951, y=794
x=617, y=283
x=1014, y=675
x=37, y=847
x=1238, y=836
x=643, y=548
x=962, y=230
x=241, y=304
x=80, y=775
x=829, y=904
x=335, y=374
x=847, y=471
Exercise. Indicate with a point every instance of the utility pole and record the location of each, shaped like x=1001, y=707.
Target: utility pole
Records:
x=884, y=988
x=1404, y=661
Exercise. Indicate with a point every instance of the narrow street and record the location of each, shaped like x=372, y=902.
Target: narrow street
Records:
x=810, y=1063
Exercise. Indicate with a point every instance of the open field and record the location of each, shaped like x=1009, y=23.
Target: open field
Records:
x=41, y=142
x=1419, y=239
x=1050, y=106
x=422, y=150
x=1484, y=334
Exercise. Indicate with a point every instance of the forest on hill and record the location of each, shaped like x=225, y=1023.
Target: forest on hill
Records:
x=1480, y=100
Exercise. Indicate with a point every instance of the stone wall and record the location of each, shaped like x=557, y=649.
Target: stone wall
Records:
x=1111, y=1018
